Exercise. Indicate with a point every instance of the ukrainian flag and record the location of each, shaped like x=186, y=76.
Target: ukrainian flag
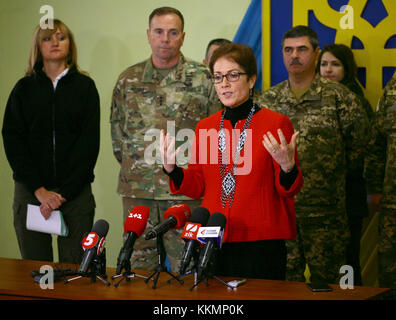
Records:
x=373, y=34
x=249, y=33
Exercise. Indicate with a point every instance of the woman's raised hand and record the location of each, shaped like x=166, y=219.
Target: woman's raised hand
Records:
x=167, y=150
x=282, y=153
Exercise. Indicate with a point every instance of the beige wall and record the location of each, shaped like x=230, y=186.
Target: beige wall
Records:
x=110, y=36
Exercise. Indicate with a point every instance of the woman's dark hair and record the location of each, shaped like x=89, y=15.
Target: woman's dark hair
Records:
x=345, y=55
x=240, y=53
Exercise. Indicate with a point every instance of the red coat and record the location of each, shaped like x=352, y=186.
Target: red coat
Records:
x=262, y=208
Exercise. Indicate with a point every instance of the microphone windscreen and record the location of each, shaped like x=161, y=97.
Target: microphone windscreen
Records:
x=101, y=227
x=181, y=212
x=200, y=215
x=217, y=219
x=136, y=221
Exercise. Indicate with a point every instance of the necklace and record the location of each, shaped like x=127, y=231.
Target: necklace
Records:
x=228, y=177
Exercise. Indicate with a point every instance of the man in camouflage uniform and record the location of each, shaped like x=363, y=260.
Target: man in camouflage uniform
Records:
x=166, y=91
x=380, y=174
x=332, y=125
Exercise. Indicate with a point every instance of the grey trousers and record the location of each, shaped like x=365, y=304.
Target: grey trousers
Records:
x=78, y=214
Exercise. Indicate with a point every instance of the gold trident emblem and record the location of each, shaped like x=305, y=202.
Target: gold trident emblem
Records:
x=349, y=23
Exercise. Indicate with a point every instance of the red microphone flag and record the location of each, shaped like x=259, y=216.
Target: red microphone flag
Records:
x=181, y=212
x=136, y=220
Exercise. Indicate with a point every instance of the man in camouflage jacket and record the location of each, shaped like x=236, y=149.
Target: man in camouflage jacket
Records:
x=332, y=127
x=166, y=91
x=380, y=174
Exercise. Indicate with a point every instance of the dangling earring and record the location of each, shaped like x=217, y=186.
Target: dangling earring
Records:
x=251, y=94
x=221, y=104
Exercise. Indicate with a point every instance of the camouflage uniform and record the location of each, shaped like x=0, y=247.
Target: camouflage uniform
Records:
x=380, y=174
x=143, y=103
x=332, y=125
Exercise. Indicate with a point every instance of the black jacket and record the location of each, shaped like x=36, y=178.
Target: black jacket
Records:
x=356, y=195
x=51, y=137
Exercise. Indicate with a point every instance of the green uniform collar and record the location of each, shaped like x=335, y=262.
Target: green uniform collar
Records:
x=150, y=74
x=313, y=93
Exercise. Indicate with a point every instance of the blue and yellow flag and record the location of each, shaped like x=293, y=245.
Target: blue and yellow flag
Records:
x=249, y=33
x=367, y=26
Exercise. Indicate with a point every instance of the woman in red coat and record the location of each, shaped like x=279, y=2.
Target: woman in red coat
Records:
x=242, y=170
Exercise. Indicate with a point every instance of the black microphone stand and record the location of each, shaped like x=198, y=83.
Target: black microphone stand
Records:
x=206, y=278
x=187, y=273
x=97, y=270
x=194, y=268
x=161, y=263
x=206, y=275
x=127, y=275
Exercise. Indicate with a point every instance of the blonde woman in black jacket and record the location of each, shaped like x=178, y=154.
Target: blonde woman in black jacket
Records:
x=51, y=139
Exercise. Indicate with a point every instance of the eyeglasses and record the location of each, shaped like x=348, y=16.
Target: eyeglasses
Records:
x=231, y=76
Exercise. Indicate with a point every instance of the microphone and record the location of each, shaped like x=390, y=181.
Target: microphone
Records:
x=216, y=221
x=198, y=219
x=93, y=244
x=175, y=217
x=135, y=223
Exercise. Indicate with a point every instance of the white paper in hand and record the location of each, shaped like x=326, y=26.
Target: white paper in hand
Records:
x=54, y=224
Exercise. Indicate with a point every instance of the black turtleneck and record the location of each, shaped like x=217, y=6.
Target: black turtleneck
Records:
x=239, y=113
x=234, y=115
